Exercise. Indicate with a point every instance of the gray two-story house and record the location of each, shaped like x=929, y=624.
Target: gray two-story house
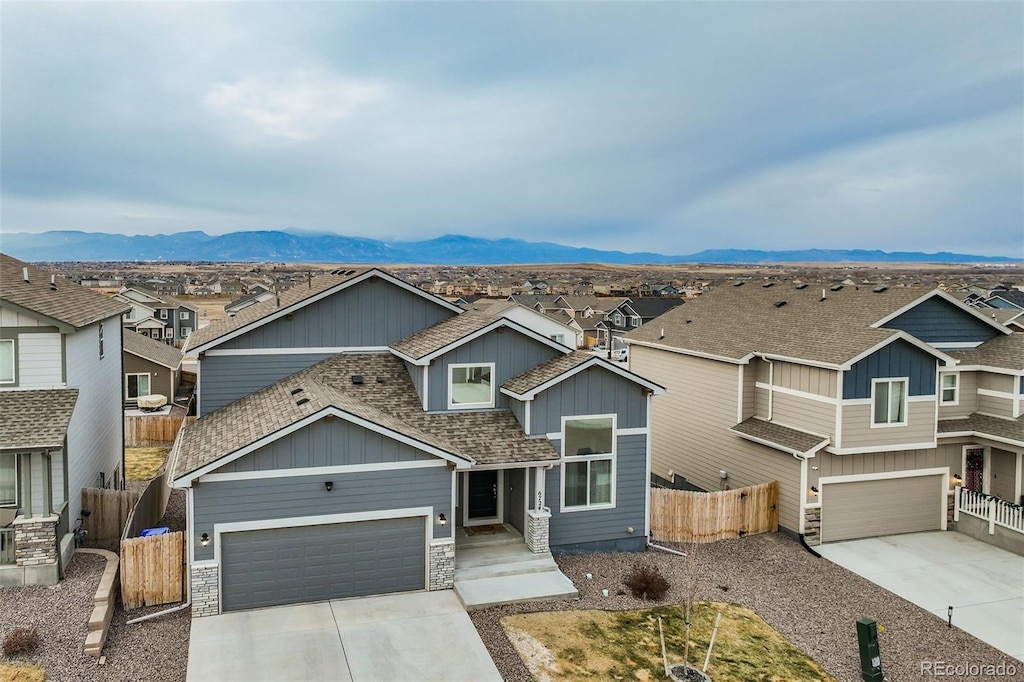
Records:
x=354, y=432
x=61, y=425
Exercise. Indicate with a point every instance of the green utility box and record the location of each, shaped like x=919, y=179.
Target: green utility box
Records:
x=870, y=658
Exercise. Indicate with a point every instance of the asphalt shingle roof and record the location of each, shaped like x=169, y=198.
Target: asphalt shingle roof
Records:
x=69, y=303
x=1007, y=429
x=36, y=419
x=483, y=437
x=785, y=437
x=254, y=313
x=449, y=331
x=1005, y=351
x=733, y=322
x=145, y=347
x=546, y=371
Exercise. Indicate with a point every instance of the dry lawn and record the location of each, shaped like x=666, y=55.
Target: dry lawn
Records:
x=142, y=464
x=21, y=672
x=563, y=646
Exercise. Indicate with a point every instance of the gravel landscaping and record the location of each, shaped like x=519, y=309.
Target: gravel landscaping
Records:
x=809, y=600
x=155, y=650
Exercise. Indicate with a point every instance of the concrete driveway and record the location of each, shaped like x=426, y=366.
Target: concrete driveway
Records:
x=935, y=570
x=412, y=636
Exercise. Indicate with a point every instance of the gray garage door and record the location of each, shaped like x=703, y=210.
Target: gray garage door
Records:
x=888, y=506
x=313, y=563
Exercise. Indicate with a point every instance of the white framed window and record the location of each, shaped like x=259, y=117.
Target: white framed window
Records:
x=101, y=340
x=617, y=319
x=183, y=315
x=634, y=321
x=136, y=385
x=163, y=313
x=185, y=331
x=949, y=389
x=557, y=338
x=889, y=402
x=471, y=385
x=168, y=333
x=8, y=362
x=8, y=479
x=588, y=462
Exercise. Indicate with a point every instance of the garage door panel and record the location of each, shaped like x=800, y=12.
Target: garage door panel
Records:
x=870, y=508
x=313, y=563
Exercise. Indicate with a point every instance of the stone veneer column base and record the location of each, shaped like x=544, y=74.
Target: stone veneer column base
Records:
x=538, y=531
x=205, y=595
x=35, y=540
x=812, y=526
x=442, y=565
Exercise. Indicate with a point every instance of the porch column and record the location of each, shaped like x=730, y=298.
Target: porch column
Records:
x=538, y=518
x=538, y=497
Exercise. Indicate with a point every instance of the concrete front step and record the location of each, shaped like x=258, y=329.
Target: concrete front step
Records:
x=471, y=557
x=539, y=564
x=507, y=589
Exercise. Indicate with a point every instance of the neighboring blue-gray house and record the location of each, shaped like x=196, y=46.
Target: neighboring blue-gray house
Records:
x=354, y=434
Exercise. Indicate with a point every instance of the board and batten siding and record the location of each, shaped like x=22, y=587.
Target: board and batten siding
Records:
x=967, y=397
x=371, y=313
x=1003, y=476
x=604, y=525
x=857, y=431
x=325, y=443
x=792, y=375
x=224, y=379
x=96, y=432
x=161, y=380
x=37, y=465
x=511, y=352
x=939, y=321
x=595, y=390
x=897, y=359
x=38, y=355
x=690, y=435
x=305, y=495
x=804, y=414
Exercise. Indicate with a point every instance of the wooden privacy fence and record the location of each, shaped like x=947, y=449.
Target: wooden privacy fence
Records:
x=152, y=570
x=149, y=430
x=110, y=510
x=684, y=516
x=150, y=507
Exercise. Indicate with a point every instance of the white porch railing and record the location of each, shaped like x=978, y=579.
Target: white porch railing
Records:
x=992, y=509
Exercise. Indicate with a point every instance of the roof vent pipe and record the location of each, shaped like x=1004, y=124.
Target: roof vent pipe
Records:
x=823, y=294
x=53, y=282
x=24, y=274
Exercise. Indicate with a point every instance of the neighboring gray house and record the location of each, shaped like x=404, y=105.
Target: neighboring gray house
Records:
x=178, y=319
x=354, y=436
x=150, y=367
x=60, y=414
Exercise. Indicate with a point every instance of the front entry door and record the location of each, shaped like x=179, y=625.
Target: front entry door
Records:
x=482, y=496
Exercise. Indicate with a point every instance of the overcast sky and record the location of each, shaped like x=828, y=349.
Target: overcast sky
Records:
x=668, y=127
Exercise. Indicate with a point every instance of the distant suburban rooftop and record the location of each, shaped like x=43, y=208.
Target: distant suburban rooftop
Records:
x=64, y=301
x=163, y=298
x=144, y=347
x=732, y=322
x=35, y=419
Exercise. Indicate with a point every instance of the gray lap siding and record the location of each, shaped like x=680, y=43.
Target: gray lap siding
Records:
x=224, y=379
x=306, y=495
x=603, y=529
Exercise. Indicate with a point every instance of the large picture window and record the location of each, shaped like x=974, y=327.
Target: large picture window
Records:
x=137, y=384
x=7, y=361
x=588, y=471
x=8, y=480
x=889, y=401
x=471, y=385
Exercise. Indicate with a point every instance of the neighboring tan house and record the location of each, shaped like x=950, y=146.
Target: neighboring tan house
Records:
x=60, y=414
x=150, y=367
x=356, y=436
x=176, y=318
x=868, y=406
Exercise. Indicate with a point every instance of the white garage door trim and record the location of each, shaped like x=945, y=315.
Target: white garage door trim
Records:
x=942, y=485
x=220, y=529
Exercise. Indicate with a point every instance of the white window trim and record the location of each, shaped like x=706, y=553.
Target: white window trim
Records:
x=14, y=362
x=163, y=313
x=906, y=402
x=956, y=389
x=17, y=482
x=613, y=456
x=183, y=315
x=185, y=331
x=149, y=380
x=469, y=406
x=168, y=333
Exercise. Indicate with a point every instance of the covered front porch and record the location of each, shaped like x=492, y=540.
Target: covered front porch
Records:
x=989, y=494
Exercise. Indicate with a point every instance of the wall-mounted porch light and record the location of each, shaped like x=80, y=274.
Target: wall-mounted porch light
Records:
x=958, y=479
x=442, y=519
x=814, y=490
x=329, y=485
x=205, y=539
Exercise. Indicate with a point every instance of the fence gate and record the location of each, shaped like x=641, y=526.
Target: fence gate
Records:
x=684, y=516
x=152, y=570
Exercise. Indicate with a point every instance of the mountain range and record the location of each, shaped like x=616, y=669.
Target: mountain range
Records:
x=292, y=247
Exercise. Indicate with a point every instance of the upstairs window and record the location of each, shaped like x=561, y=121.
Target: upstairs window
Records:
x=588, y=469
x=7, y=361
x=950, y=389
x=183, y=315
x=889, y=402
x=470, y=385
x=163, y=313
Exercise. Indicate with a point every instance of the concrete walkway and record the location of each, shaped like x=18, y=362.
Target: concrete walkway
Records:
x=411, y=636
x=983, y=584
